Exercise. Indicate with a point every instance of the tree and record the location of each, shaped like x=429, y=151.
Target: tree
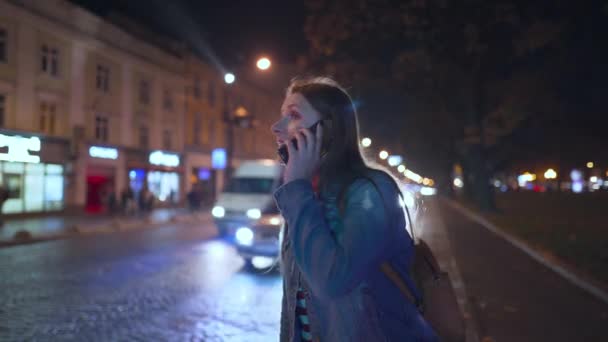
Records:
x=464, y=63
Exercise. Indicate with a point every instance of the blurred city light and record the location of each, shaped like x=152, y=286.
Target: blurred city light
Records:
x=593, y=179
x=261, y=262
x=254, y=213
x=550, y=174
x=19, y=148
x=526, y=177
x=413, y=176
x=263, y=63
x=458, y=183
x=401, y=168
x=229, y=78
x=218, y=212
x=244, y=236
x=366, y=142
x=103, y=152
x=394, y=160
x=383, y=155
x=590, y=165
x=577, y=181
x=427, y=191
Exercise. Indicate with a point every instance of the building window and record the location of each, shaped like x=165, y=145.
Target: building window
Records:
x=143, y=136
x=211, y=94
x=49, y=60
x=144, y=92
x=167, y=139
x=168, y=100
x=2, y=109
x=48, y=112
x=3, y=45
x=103, y=78
x=197, y=87
x=102, y=126
x=212, y=132
x=196, y=128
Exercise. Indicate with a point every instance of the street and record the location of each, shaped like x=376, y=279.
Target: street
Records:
x=168, y=283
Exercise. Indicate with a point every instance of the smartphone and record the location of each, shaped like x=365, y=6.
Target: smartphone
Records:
x=282, y=151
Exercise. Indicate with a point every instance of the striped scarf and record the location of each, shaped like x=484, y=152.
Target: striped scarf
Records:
x=301, y=311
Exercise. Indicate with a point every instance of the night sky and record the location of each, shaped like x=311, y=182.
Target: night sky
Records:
x=236, y=31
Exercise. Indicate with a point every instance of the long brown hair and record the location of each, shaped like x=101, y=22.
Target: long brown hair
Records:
x=344, y=161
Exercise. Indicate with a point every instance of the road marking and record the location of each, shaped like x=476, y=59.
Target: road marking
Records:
x=573, y=278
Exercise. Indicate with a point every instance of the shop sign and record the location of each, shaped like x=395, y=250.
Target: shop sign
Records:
x=164, y=159
x=103, y=152
x=19, y=148
x=218, y=159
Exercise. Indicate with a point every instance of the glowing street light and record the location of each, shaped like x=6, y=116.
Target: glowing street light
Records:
x=401, y=168
x=229, y=78
x=366, y=142
x=550, y=174
x=263, y=63
x=590, y=165
x=383, y=155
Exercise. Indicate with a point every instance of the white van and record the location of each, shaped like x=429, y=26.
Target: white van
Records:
x=247, y=196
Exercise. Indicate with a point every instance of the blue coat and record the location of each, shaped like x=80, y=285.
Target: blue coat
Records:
x=336, y=259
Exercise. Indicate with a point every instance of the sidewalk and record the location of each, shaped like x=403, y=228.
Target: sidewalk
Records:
x=431, y=228
x=510, y=295
x=59, y=226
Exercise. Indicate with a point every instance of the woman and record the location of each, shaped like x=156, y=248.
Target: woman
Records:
x=343, y=220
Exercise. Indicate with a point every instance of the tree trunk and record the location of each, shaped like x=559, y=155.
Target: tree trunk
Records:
x=483, y=194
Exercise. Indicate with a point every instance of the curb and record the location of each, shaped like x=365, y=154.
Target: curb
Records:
x=115, y=226
x=567, y=274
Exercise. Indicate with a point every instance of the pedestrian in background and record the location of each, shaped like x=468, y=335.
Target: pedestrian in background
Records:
x=3, y=197
x=343, y=220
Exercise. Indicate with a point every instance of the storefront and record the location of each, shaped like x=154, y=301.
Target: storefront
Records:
x=103, y=178
x=158, y=173
x=32, y=171
x=205, y=176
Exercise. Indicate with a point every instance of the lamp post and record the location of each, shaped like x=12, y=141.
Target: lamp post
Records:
x=236, y=115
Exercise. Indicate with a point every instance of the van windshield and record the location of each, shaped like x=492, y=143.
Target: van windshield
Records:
x=250, y=185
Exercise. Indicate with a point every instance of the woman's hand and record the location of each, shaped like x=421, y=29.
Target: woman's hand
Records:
x=304, y=161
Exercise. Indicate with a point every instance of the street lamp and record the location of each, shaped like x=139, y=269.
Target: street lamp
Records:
x=263, y=63
x=383, y=155
x=229, y=78
x=401, y=168
x=590, y=165
x=366, y=142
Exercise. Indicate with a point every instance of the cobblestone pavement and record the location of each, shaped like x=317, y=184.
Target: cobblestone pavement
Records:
x=164, y=284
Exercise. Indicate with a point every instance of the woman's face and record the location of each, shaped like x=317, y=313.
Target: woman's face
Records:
x=296, y=113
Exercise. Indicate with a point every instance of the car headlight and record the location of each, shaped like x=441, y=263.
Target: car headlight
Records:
x=271, y=220
x=254, y=214
x=218, y=211
x=244, y=236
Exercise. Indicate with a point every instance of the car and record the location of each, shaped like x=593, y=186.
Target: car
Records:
x=259, y=242
x=247, y=196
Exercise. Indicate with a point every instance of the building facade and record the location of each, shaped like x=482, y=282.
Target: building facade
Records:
x=90, y=111
x=224, y=124
x=97, y=107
